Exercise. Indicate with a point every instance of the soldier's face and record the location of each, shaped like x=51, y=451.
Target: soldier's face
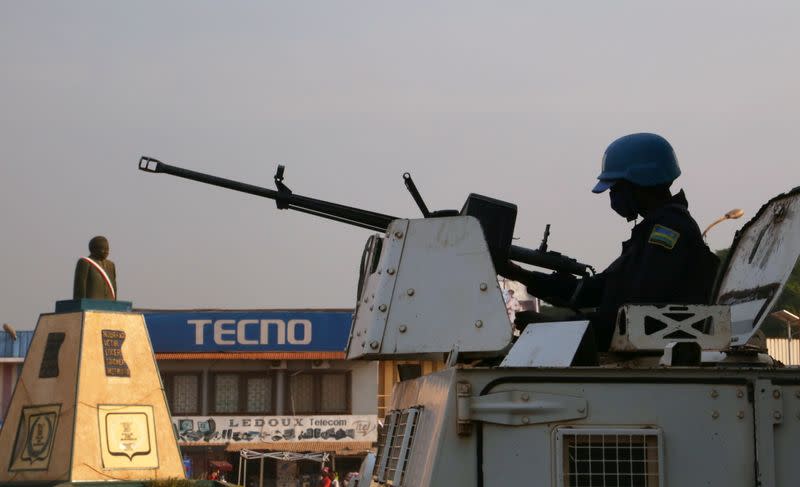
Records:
x=622, y=200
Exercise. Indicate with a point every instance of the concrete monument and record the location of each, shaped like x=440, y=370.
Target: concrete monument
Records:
x=89, y=404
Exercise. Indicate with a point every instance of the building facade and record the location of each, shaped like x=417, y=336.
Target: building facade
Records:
x=261, y=382
x=265, y=381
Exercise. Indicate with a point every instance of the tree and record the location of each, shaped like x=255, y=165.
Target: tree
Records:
x=788, y=300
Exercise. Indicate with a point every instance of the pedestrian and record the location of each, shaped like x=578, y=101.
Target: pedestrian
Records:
x=325, y=481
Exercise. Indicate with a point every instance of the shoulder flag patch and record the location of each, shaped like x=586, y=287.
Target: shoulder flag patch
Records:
x=664, y=236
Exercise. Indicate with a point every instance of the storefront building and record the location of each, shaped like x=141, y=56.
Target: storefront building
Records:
x=13, y=347
x=265, y=381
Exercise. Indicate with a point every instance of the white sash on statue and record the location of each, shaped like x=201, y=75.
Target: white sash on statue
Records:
x=102, y=273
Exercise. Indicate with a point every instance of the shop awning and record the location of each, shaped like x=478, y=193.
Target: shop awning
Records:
x=338, y=447
x=287, y=456
x=251, y=356
x=222, y=465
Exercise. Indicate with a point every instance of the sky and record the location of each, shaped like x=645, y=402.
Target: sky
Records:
x=515, y=100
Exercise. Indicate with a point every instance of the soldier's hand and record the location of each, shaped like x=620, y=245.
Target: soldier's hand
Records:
x=510, y=270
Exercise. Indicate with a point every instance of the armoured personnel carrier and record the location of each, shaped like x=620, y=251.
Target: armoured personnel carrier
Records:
x=682, y=398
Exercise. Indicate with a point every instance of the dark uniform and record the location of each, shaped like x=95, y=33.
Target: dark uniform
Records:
x=664, y=261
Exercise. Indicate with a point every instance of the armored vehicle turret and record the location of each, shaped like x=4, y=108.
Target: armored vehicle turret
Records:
x=683, y=397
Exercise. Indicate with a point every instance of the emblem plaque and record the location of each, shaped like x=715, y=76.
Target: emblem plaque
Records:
x=35, y=435
x=127, y=435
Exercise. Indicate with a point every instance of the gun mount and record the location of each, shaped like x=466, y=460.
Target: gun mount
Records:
x=406, y=274
x=420, y=263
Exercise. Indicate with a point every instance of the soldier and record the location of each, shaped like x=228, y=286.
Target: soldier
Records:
x=664, y=261
x=96, y=276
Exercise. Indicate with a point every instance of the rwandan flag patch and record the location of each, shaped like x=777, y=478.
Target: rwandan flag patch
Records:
x=664, y=236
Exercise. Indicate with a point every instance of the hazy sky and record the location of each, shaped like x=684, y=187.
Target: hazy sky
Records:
x=515, y=100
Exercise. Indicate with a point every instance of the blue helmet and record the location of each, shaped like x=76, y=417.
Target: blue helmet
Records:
x=642, y=159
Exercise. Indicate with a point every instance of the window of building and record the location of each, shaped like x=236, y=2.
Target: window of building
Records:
x=183, y=392
x=226, y=393
x=240, y=393
x=318, y=393
x=301, y=394
x=259, y=394
x=335, y=393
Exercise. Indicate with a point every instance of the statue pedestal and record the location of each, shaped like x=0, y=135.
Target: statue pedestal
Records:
x=89, y=404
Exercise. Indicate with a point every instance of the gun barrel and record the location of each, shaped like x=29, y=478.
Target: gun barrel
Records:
x=370, y=220
x=325, y=209
x=549, y=260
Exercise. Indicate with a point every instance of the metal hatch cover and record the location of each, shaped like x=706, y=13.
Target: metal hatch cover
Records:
x=762, y=257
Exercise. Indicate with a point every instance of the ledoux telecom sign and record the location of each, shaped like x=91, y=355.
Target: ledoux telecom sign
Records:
x=248, y=331
x=196, y=430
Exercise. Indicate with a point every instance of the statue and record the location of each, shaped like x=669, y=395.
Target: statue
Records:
x=96, y=276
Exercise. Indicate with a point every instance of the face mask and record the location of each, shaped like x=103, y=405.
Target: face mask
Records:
x=623, y=203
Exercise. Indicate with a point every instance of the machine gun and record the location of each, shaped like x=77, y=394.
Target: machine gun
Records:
x=497, y=217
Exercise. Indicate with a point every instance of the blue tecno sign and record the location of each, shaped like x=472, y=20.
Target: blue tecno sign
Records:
x=248, y=331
